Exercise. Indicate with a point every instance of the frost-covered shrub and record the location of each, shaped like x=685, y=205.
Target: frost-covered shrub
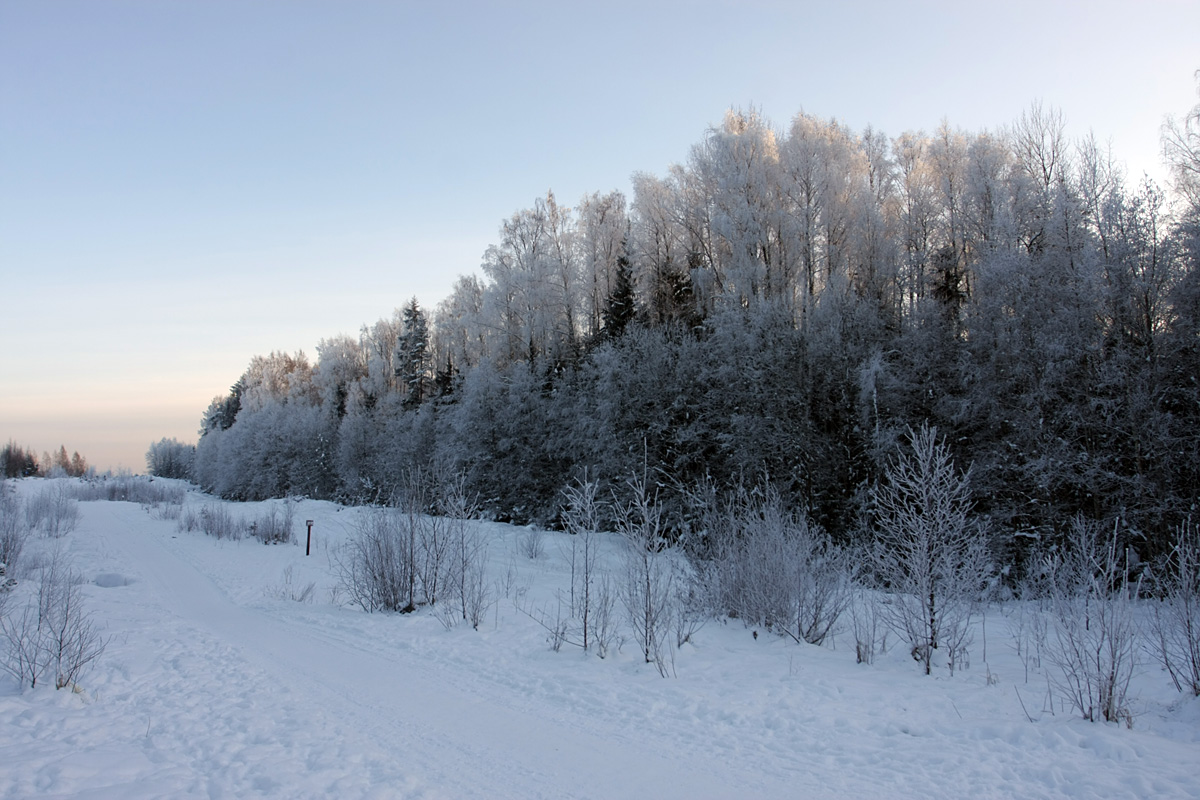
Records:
x=467, y=560
x=377, y=566
x=54, y=632
x=189, y=520
x=274, y=526
x=867, y=621
x=533, y=542
x=648, y=590
x=288, y=589
x=217, y=521
x=13, y=531
x=1094, y=644
x=130, y=489
x=52, y=511
x=772, y=568
x=1176, y=624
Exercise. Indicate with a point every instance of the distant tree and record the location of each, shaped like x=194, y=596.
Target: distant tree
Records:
x=17, y=462
x=170, y=458
x=62, y=462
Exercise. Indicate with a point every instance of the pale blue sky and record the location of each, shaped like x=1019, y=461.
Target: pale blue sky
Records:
x=184, y=185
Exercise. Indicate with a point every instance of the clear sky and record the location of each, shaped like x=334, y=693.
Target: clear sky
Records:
x=184, y=185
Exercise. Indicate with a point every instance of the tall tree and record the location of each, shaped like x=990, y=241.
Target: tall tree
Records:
x=412, y=359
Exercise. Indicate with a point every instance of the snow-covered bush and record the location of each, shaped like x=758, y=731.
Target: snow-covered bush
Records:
x=582, y=518
x=648, y=591
x=467, y=561
x=189, y=519
x=533, y=542
x=217, y=521
x=1176, y=624
x=1094, y=645
x=928, y=553
x=52, y=511
x=13, y=531
x=776, y=569
x=274, y=526
x=131, y=489
x=377, y=566
x=288, y=589
x=867, y=620
x=54, y=632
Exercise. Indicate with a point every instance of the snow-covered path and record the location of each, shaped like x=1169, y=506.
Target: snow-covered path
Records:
x=214, y=687
x=399, y=714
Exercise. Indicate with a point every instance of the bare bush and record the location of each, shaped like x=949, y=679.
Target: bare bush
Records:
x=533, y=542
x=870, y=629
x=217, y=521
x=606, y=629
x=25, y=657
x=189, y=520
x=54, y=632
x=72, y=640
x=1094, y=647
x=274, y=526
x=130, y=489
x=468, y=553
x=692, y=609
x=928, y=553
x=1027, y=626
x=1176, y=624
x=776, y=569
x=288, y=589
x=13, y=531
x=376, y=568
x=648, y=590
x=52, y=511
x=582, y=517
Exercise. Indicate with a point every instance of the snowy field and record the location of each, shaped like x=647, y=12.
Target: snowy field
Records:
x=215, y=684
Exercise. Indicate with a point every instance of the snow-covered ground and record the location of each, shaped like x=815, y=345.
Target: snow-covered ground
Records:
x=215, y=685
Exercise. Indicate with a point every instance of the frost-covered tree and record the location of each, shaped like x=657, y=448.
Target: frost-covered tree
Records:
x=929, y=552
x=412, y=359
x=170, y=458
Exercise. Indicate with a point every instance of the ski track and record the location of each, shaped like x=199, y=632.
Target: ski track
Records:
x=212, y=689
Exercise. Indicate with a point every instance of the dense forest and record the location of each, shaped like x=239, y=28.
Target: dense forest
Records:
x=777, y=313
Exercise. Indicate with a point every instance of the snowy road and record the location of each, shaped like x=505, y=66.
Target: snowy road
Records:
x=402, y=713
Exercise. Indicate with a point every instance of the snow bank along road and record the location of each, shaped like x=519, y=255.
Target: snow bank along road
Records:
x=212, y=688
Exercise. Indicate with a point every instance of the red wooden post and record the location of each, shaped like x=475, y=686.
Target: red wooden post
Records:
x=308, y=546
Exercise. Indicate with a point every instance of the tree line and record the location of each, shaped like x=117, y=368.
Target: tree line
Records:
x=774, y=314
x=21, y=462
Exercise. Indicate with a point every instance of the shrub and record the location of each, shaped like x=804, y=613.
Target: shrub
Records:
x=274, y=526
x=376, y=568
x=1094, y=646
x=773, y=568
x=13, y=532
x=648, y=591
x=131, y=489
x=52, y=511
x=53, y=633
x=217, y=521
x=1176, y=625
